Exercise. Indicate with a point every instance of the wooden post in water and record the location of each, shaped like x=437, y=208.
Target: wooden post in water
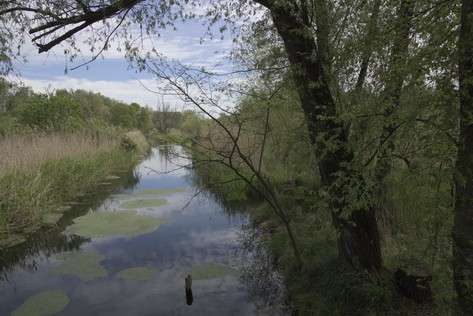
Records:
x=189, y=296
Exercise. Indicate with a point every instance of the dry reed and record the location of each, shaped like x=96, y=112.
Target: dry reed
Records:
x=23, y=152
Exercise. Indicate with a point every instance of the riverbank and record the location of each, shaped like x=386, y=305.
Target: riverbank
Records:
x=41, y=177
x=325, y=284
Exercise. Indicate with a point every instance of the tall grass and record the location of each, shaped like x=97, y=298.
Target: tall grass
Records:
x=21, y=152
x=40, y=174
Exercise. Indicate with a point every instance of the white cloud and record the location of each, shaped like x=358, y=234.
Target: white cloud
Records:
x=183, y=45
x=175, y=45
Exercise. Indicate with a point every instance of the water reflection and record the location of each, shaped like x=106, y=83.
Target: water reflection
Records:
x=258, y=269
x=51, y=240
x=259, y=272
x=199, y=237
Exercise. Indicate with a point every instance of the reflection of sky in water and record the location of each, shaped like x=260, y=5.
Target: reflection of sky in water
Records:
x=196, y=231
x=168, y=160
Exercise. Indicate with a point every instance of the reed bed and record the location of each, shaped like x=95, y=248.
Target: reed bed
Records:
x=40, y=174
x=23, y=152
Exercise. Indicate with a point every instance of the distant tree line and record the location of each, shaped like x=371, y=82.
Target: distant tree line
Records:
x=23, y=109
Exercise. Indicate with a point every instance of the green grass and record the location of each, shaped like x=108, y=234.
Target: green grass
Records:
x=43, y=304
x=119, y=223
x=33, y=197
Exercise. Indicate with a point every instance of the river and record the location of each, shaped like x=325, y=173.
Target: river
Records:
x=138, y=267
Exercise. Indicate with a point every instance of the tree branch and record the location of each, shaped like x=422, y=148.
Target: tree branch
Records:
x=86, y=19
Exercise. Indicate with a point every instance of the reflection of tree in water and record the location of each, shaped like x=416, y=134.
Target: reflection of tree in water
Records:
x=165, y=153
x=129, y=180
x=47, y=243
x=172, y=155
x=51, y=240
x=201, y=180
x=259, y=273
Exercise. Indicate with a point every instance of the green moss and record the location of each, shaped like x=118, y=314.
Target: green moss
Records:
x=43, y=304
x=160, y=191
x=84, y=265
x=136, y=274
x=122, y=223
x=211, y=271
x=142, y=203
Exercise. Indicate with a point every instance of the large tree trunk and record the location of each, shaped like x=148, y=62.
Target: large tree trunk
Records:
x=311, y=71
x=463, y=224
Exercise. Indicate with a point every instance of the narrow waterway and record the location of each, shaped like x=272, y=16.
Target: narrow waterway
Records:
x=129, y=254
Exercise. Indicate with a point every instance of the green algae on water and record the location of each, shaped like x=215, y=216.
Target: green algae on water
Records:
x=143, y=203
x=43, y=304
x=159, y=191
x=84, y=265
x=122, y=223
x=211, y=271
x=136, y=274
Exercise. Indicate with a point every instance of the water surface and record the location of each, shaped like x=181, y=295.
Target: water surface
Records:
x=142, y=273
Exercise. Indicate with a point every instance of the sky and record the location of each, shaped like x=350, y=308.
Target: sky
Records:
x=111, y=74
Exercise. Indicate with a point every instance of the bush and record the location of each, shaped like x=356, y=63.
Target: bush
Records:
x=57, y=113
x=134, y=141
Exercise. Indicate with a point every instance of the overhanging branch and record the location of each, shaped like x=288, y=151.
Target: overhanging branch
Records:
x=84, y=17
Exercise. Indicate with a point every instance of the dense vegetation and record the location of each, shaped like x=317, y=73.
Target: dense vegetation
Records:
x=353, y=126
x=415, y=221
x=57, y=147
x=66, y=111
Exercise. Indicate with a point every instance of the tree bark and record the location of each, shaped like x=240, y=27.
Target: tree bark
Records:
x=311, y=71
x=463, y=222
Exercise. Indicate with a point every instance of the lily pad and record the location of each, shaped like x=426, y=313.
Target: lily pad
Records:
x=85, y=265
x=123, y=223
x=160, y=191
x=136, y=274
x=212, y=271
x=43, y=304
x=142, y=203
